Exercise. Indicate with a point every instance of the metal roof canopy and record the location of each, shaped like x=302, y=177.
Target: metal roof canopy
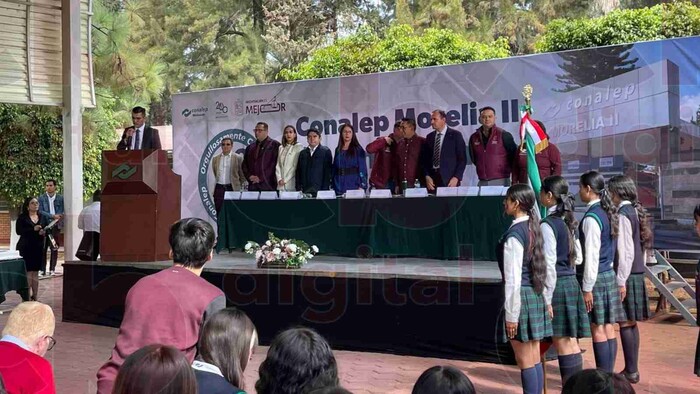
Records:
x=30, y=56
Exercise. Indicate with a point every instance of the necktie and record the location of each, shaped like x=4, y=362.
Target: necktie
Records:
x=436, y=150
x=137, y=143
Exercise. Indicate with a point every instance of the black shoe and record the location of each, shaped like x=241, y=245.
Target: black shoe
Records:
x=631, y=377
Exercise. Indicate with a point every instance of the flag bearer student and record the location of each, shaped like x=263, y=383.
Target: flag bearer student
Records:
x=633, y=241
x=598, y=232
x=562, y=293
x=522, y=265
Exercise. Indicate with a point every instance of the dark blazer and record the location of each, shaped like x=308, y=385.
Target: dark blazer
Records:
x=149, y=140
x=453, y=156
x=261, y=163
x=212, y=383
x=314, y=173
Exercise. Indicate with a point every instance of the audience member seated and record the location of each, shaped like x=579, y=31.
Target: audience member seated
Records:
x=26, y=338
x=443, y=380
x=170, y=306
x=156, y=369
x=225, y=347
x=596, y=381
x=298, y=361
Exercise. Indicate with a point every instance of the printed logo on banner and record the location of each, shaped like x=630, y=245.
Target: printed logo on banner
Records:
x=221, y=110
x=194, y=112
x=240, y=138
x=263, y=106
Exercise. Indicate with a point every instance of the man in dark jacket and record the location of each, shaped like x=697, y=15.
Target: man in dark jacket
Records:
x=139, y=136
x=260, y=160
x=384, y=150
x=314, y=169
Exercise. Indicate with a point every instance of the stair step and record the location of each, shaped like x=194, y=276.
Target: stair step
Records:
x=673, y=285
x=659, y=268
x=689, y=303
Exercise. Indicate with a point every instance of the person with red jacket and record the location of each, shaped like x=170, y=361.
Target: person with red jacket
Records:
x=492, y=150
x=384, y=150
x=26, y=338
x=548, y=161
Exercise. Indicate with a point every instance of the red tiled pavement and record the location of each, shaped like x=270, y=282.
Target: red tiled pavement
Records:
x=667, y=354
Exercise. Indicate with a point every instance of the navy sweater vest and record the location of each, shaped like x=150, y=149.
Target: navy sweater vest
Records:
x=521, y=232
x=629, y=212
x=607, y=244
x=561, y=234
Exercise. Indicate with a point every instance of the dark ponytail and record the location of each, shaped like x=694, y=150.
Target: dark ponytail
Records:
x=596, y=182
x=624, y=187
x=524, y=195
x=559, y=188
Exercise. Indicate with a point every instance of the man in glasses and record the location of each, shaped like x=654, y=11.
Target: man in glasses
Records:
x=26, y=338
x=227, y=172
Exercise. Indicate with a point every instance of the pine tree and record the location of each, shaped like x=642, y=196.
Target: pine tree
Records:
x=583, y=68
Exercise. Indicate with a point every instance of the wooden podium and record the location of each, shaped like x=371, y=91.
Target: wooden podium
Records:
x=140, y=201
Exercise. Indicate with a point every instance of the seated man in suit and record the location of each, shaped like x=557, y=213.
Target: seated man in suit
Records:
x=315, y=167
x=140, y=136
x=260, y=160
x=444, y=154
x=228, y=172
x=26, y=338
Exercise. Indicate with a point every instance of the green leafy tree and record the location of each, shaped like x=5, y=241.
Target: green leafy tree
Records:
x=442, y=14
x=678, y=19
x=400, y=48
x=583, y=68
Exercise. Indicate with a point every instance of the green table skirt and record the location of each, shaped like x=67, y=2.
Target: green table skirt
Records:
x=433, y=227
x=13, y=276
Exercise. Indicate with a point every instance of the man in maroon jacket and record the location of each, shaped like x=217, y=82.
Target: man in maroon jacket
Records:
x=492, y=150
x=407, y=162
x=168, y=307
x=260, y=160
x=384, y=149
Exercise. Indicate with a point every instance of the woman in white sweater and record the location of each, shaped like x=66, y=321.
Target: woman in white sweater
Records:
x=287, y=159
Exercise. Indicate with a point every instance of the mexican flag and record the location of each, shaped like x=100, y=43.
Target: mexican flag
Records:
x=533, y=140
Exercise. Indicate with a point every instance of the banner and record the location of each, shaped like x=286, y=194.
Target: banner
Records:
x=610, y=108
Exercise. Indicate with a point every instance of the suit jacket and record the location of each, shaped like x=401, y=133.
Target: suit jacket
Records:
x=262, y=163
x=149, y=140
x=237, y=176
x=287, y=166
x=45, y=208
x=315, y=172
x=453, y=155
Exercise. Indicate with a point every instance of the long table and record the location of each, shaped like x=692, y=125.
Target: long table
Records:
x=465, y=228
x=13, y=276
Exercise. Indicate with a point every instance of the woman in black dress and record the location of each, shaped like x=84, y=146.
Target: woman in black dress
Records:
x=30, y=228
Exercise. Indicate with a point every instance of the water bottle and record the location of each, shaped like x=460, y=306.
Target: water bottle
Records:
x=245, y=186
x=404, y=185
x=416, y=184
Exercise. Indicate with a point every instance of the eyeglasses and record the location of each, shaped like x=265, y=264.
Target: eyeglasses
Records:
x=52, y=342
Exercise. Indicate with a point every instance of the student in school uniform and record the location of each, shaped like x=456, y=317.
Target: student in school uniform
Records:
x=696, y=216
x=633, y=241
x=562, y=293
x=522, y=265
x=598, y=234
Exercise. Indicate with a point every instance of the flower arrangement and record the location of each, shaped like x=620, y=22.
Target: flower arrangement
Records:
x=281, y=253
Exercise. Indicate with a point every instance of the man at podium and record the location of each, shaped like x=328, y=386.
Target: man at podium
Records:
x=139, y=136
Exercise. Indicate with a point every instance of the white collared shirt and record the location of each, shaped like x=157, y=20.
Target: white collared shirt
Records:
x=442, y=134
x=312, y=150
x=592, y=231
x=89, y=218
x=625, y=247
x=513, y=252
x=52, y=209
x=16, y=341
x=206, y=367
x=224, y=177
x=550, y=256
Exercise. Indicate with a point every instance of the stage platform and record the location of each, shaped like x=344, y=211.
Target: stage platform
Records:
x=421, y=307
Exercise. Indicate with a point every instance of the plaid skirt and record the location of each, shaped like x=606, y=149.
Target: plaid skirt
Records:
x=636, y=302
x=570, y=316
x=607, y=308
x=533, y=323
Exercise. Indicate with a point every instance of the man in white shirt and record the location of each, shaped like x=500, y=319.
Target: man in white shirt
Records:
x=89, y=222
x=228, y=172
